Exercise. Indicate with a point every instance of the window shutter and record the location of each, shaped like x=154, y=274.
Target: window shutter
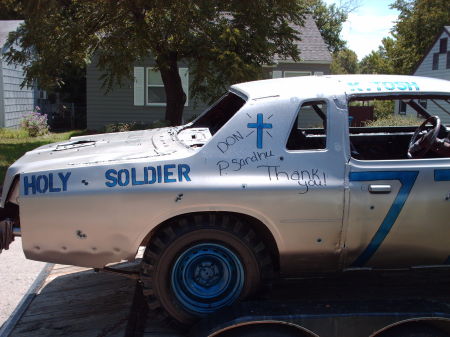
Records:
x=184, y=75
x=139, y=90
x=277, y=74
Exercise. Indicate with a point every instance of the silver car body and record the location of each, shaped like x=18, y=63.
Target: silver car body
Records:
x=95, y=199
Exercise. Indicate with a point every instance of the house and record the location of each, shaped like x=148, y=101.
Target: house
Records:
x=434, y=63
x=15, y=102
x=143, y=101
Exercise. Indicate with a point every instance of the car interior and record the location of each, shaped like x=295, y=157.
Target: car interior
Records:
x=381, y=127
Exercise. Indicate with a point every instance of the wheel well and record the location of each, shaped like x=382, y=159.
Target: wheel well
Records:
x=441, y=325
x=269, y=328
x=259, y=227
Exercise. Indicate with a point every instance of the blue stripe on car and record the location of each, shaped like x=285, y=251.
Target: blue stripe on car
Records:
x=407, y=179
x=441, y=175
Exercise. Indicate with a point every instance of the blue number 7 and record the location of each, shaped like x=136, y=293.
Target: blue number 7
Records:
x=407, y=179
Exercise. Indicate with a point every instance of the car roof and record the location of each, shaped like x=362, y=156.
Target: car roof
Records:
x=329, y=85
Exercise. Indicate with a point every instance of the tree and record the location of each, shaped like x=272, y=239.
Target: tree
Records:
x=418, y=24
x=344, y=61
x=329, y=20
x=222, y=41
x=381, y=60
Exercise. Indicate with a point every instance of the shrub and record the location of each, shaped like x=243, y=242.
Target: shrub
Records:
x=133, y=126
x=395, y=120
x=35, y=123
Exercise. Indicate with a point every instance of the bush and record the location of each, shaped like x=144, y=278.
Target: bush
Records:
x=383, y=109
x=133, y=126
x=35, y=124
x=395, y=120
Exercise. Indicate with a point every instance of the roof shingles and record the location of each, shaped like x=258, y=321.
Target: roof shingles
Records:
x=312, y=47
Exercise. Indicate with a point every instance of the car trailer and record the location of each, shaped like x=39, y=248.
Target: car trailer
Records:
x=74, y=301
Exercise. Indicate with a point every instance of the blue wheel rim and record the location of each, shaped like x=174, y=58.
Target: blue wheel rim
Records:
x=207, y=277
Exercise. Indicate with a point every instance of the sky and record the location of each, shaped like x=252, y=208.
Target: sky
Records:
x=367, y=25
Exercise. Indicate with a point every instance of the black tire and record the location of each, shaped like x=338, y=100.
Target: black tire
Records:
x=197, y=264
x=417, y=329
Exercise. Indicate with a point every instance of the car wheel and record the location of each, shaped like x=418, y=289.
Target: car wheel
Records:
x=198, y=264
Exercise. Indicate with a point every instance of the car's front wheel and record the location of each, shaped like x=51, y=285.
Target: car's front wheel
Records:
x=198, y=264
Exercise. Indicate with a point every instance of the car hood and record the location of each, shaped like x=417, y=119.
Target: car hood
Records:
x=99, y=149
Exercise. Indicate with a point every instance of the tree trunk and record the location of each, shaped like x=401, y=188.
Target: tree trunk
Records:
x=175, y=96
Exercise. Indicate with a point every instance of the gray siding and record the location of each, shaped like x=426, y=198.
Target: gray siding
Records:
x=426, y=66
x=118, y=105
x=2, y=105
x=310, y=67
x=434, y=110
x=16, y=101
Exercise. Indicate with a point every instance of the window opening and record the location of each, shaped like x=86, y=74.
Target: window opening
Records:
x=309, y=129
x=219, y=113
x=395, y=120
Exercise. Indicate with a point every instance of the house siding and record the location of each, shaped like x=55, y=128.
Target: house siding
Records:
x=15, y=101
x=310, y=67
x=2, y=105
x=118, y=104
x=425, y=68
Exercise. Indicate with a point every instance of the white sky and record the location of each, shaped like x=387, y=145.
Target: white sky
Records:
x=367, y=25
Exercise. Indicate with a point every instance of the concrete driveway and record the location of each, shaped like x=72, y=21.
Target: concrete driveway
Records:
x=16, y=276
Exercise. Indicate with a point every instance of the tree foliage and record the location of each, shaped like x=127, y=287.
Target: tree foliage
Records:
x=345, y=61
x=417, y=26
x=381, y=60
x=329, y=20
x=222, y=41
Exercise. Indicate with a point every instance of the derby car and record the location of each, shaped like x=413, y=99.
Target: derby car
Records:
x=279, y=177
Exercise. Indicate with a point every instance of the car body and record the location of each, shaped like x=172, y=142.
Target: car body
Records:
x=350, y=199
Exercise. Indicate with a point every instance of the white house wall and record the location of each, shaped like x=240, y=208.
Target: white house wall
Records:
x=16, y=102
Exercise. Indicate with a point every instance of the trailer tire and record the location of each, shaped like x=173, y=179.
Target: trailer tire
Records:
x=197, y=264
x=417, y=329
x=265, y=330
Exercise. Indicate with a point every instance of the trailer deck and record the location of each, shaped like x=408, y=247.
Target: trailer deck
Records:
x=77, y=301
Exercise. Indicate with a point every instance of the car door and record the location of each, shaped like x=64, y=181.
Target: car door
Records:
x=398, y=213
x=310, y=188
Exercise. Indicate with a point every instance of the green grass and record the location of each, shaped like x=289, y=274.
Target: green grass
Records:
x=14, y=144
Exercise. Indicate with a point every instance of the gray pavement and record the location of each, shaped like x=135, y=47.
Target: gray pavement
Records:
x=16, y=276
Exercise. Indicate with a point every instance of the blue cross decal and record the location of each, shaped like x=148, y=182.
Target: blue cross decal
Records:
x=259, y=126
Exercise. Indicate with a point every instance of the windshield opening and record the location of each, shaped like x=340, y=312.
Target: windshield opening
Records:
x=219, y=113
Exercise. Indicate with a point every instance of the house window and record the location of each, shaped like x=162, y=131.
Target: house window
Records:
x=402, y=109
x=443, y=46
x=155, y=88
x=149, y=87
x=296, y=73
x=435, y=61
x=423, y=103
x=448, y=60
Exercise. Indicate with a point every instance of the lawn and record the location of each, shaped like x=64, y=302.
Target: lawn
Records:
x=14, y=143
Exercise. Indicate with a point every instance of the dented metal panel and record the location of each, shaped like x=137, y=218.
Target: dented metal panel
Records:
x=92, y=200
